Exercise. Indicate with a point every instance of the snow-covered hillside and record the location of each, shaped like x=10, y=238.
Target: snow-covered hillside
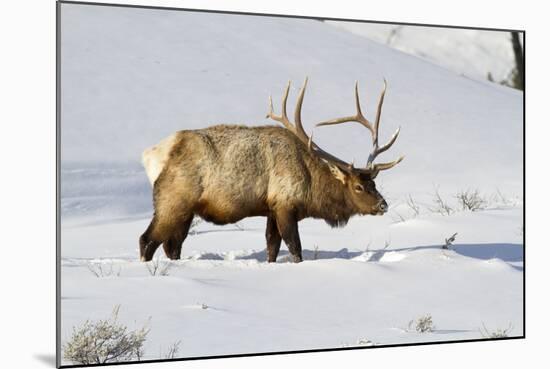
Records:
x=474, y=53
x=130, y=77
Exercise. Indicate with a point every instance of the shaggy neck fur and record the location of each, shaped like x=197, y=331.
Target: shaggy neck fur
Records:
x=329, y=198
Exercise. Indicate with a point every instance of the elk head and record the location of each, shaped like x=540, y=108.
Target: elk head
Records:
x=358, y=182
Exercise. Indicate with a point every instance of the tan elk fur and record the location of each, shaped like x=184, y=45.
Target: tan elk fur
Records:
x=232, y=172
x=225, y=173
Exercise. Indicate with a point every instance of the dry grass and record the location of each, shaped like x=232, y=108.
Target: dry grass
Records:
x=102, y=270
x=156, y=267
x=440, y=206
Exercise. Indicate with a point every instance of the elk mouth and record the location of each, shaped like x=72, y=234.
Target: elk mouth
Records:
x=381, y=208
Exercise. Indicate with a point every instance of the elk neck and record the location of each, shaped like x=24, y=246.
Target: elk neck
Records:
x=329, y=198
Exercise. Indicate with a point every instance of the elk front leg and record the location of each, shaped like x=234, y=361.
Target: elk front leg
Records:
x=273, y=238
x=168, y=246
x=172, y=247
x=288, y=229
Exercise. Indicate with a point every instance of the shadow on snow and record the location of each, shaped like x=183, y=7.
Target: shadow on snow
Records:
x=507, y=252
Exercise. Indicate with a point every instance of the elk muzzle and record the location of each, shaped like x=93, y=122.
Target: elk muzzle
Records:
x=382, y=207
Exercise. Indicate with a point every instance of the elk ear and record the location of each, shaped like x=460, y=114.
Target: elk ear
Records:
x=338, y=173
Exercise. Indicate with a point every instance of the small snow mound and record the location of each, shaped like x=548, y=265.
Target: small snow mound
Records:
x=238, y=254
x=360, y=342
x=380, y=256
x=366, y=256
x=392, y=256
x=197, y=306
x=364, y=342
x=496, y=263
x=206, y=256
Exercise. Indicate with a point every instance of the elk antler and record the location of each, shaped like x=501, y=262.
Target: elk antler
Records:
x=371, y=168
x=298, y=129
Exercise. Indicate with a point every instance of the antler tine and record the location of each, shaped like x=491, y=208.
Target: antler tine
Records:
x=298, y=130
x=358, y=117
x=283, y=106
x=384, y=166
x=376, y=149
x=373, y=128
x=283, y=118
x=375, y=168
x=378, y=113
x=298, y=113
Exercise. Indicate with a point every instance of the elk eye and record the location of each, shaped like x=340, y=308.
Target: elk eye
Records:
x=359, y=188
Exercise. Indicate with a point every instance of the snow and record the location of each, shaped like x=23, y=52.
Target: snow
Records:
x=131, y=77
x=474, y=53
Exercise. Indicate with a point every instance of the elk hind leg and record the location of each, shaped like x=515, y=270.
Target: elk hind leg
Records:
x=162, y=229
x=172, y=247
x=147, y=242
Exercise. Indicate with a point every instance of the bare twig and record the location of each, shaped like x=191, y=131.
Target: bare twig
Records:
x=367, y=249
x=502, y=200
x=157, y=267
x=398, y=218
x=440, y=206
x=499, y=333
x=393, y=34
x=471, y=200
x=173, y=350
x=449, y=241
x=413, y=205
x=101, y=271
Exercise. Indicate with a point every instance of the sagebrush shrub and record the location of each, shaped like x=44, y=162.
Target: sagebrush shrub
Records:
x=104, y=341
x=471, y=200
x=499, y=333
x=423, y=324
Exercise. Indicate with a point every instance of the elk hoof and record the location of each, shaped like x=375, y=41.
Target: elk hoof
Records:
x=296, y=259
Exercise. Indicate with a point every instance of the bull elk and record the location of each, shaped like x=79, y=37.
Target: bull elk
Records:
x=225, y=173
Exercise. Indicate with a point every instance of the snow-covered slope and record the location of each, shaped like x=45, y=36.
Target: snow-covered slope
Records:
x=130, y=77
x=474, y=53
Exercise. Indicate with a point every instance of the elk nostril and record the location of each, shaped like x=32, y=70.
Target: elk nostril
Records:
x=383, y=206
